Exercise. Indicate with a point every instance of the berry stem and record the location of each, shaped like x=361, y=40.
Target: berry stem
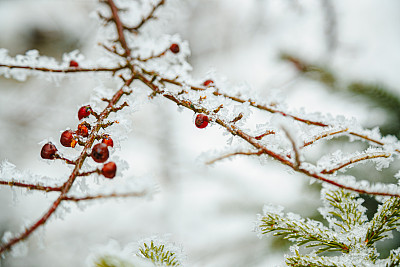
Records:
x=68, y=161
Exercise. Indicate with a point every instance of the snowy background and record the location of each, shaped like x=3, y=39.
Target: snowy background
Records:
x=209, y=211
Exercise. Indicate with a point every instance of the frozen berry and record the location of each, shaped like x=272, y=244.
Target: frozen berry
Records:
x=109, y=169
x=107, y=140
x=73, y=64
x=83, y=130
x=67, y=139
x=100, y=152
x=84, y=112
x=208, y=83
x=48, y=151
x=174, y=48
x=201, y=121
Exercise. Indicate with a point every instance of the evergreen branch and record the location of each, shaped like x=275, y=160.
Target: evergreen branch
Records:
x=158, y=255
x=310, y=233
x=386, y=219
x=310, y=261
x=347, y=206
x=111, y=261
x=394, y=258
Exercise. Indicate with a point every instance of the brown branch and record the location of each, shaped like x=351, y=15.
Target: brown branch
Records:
x=113, y=195
x=98, y=171
x=234, y=154
x=57, y=156
x=75, y=173
x=119, y=26
x=316, y=138
x=252, y=141
x=355, y=160
x=272, y=110
x=152, y=56
x=147, y=18
x=31, y=186
x=259, y=137
x=294, y=146
x=66, y=70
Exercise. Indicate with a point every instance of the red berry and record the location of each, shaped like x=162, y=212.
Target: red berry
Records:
x=109, y=169
x=83, y=129
x=201, y=121
x=174, y=48
x=107, y=140
x=208, y=83
x=84, y=112
x=67, y=139
x=73, y=64
x=100, y=153
x=48, y=151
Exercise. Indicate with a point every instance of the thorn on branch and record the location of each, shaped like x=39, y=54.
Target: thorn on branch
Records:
x=108, y=124
x=259, y=137
x=125, y=104
x=218, y=108
x=238, y=118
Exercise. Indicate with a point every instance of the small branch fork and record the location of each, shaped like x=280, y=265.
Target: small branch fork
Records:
x=157, y=87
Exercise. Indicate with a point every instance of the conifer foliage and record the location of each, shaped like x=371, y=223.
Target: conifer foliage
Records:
x=349, y=231
x=135, y=57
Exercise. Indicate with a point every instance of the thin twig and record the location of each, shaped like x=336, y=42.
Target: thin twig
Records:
x=234, y=154
x=113, y=195
x=64, y=70
x=294, y=146
x=355, y=160
x=147, y=18
x=31, y=186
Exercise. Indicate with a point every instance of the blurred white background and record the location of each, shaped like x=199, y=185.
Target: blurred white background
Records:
x=210, y=211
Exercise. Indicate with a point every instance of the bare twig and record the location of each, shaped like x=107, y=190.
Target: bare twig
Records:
x=234, y=154
x=357, y=159
x=31, y=186
x=113, y=195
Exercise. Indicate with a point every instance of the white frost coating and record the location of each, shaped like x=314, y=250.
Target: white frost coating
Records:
x=115, y=254
x=338, y=159
x=18, y=250
x=164, y=240
x=9, y=173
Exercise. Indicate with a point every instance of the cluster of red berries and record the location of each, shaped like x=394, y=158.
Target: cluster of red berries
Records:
x=70, y=138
